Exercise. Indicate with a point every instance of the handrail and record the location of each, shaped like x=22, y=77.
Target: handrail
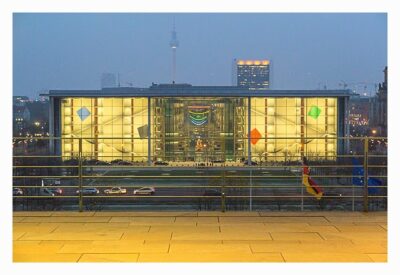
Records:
x=277, y=178
x=194, y=186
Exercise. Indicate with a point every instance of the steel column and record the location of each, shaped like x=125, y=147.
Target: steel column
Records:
x=51, y=125
x=80, y=176
x=249, y=152
x=149, y=131
x=366, y=174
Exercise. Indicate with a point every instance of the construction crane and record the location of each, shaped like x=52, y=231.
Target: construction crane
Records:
x=346, y=85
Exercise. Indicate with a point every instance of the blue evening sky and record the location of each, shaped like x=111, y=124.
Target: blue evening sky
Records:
x=307, y=51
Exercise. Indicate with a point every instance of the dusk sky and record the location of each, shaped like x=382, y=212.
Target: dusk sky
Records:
x=307, y=51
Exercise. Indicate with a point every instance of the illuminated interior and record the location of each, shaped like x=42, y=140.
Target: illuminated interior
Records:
x=292, y=127
x=111, y=128
x=199, y=128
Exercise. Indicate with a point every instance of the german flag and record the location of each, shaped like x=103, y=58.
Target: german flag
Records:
x=309, y=183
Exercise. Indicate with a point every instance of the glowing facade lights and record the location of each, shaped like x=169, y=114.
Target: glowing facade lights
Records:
x=198, y=115
x=253, y=74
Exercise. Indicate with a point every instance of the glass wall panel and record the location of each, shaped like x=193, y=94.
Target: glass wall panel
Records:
x=198, y=129
x=285, y=129
x=111, y=128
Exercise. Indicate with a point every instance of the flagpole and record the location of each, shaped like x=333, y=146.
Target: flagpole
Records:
x=302, y=191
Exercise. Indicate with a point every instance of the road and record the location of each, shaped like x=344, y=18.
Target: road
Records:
x=271, y=188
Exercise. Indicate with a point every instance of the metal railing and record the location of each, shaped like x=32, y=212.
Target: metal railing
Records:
x=355, y=179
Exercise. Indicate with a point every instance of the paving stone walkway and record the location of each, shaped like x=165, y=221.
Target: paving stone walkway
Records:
x=200, y=237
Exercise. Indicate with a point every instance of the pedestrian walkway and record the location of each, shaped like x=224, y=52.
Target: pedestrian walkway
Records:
x=200, y=237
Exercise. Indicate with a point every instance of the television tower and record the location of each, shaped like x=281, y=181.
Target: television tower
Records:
x=173, y=44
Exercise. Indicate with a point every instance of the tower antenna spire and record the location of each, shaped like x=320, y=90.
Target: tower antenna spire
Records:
x=174, y=43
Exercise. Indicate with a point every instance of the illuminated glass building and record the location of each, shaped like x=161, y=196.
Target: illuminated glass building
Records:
x=253, y=74
x=184, y=123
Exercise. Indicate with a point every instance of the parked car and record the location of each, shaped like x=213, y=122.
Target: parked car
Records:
x=95, y=162
x=90, y=161
x=17, y=191
x=115, y=190
x=115, y=161
x=71, y=161
x=46, y=192
x=246, y=162
x=121, y=162
x=160, y=163
x=212, y=192
x=89, y=191
x=101, y=162
x=144, y=191
x=57, y=191
x=124, y=162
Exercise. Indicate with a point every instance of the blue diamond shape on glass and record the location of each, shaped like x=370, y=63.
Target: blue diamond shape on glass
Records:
x=83, y=113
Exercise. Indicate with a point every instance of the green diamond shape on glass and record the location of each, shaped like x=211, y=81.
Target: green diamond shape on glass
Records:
x=314, y=112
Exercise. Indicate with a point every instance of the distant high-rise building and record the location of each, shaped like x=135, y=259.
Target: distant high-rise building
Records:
x=21, y=117
x=359, y=115
x=253, y=74
x=108, y=80
x=20, y=100
x=379, y=107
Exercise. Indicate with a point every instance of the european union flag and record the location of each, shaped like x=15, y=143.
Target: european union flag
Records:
x=358, y=178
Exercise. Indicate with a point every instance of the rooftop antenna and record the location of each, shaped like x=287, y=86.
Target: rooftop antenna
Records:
x=174, y=43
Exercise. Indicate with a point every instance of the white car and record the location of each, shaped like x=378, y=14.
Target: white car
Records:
x=17, y=191
x=144, y=191
x=115, y=190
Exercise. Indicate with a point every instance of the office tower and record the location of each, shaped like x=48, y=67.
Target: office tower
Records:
x=252, y=74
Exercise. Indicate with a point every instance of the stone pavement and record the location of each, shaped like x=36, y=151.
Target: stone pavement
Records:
x=200, y=237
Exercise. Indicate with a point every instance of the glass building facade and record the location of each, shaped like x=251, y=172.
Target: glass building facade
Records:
x=173, y=128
